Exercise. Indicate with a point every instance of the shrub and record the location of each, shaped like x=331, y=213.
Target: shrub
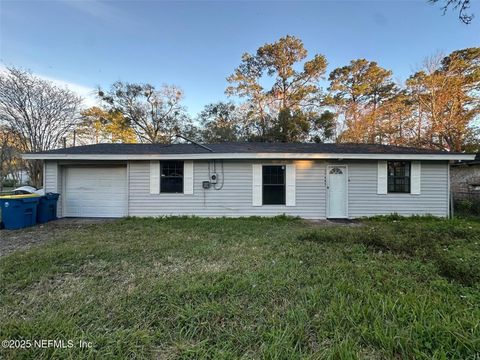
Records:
x=468, y=205
x=9, y=183
x=465, y=206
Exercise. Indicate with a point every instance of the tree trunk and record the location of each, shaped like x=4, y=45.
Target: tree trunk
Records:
x=35, y=172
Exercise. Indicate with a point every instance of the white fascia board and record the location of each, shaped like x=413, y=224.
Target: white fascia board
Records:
x=249, y=156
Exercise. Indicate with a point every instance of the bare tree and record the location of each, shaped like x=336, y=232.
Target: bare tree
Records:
x=6, y=156
x=155, y=115
x=11, y=163
x=39, y=113
x=462, y=6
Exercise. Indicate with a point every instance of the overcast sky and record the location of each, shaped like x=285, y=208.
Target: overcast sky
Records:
x=196, y=45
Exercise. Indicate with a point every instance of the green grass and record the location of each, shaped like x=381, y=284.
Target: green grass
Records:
x=249, y=288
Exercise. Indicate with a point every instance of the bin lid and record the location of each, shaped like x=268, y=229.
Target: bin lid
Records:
x=51, y=195
x=15, y=197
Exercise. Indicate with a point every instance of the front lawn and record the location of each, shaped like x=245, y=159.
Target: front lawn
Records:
x=252, y=288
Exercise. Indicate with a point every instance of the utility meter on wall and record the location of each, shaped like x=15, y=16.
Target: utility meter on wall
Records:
x=213, y=178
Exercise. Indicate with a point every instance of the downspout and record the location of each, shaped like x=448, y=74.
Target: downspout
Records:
x=450, y=213
x=128, y=188
x=43, y=175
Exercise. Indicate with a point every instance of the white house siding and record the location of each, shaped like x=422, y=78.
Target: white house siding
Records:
x=234, y=199
x=364, y=200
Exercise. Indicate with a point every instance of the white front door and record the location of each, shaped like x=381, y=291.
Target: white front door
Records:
x=337, y=191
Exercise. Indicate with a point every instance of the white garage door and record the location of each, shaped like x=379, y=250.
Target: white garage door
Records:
x=95, y=191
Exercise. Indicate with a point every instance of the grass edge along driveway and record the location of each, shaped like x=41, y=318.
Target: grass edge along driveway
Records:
x=276, y=288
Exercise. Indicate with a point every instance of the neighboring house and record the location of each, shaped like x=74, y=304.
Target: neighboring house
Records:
x=465, y=176
x=314, y=181
x=20, y=177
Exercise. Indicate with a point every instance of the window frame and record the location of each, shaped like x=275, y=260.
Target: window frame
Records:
x=162, y=164
x=408, y=165
x=284, y=168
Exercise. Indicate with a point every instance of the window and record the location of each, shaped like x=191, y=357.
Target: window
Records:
x=336, y=170
x=398, y=176
x=171, y=176
x=273, y=185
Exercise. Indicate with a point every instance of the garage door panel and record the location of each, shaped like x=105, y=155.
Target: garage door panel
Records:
x=95, y=192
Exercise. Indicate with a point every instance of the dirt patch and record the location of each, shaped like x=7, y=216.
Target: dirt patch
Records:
x=13, y=240
x=336, y=222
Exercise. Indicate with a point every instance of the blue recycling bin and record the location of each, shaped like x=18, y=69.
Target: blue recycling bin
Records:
x=47, y=208
x=19, y=211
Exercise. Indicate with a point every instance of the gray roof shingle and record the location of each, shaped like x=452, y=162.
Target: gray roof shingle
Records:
x=240, y=147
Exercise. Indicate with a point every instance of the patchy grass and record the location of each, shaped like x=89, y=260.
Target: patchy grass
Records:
x=453, y=246
x=252, y=288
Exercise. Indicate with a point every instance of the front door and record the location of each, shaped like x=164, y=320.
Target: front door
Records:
x=337, y=191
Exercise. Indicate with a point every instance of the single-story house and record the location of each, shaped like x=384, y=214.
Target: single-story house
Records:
x=19, y=176
x=313, y=181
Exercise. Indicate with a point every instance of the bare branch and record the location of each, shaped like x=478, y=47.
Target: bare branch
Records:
x=39, y=113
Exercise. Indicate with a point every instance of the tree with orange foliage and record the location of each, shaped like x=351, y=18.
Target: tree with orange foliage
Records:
x=287, y=106
x=99, y=126
x=446, y=100
x=358, y=91
x=439, y=107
